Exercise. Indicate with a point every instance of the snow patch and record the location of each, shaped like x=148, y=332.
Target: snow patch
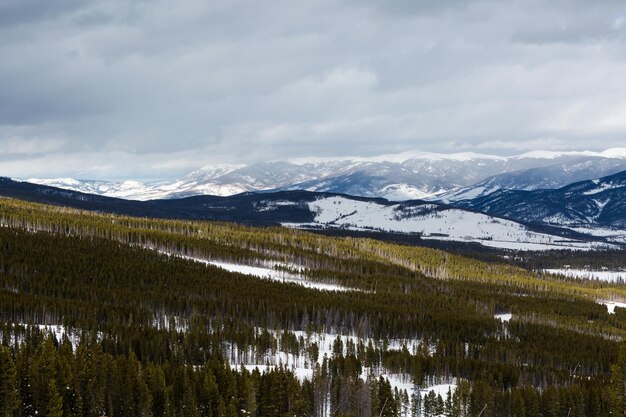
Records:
x=603, y=187
x=504, y=317
x=610, y=305
x=606, y=276
x=302, y=364
x=269, y=272
x=265, y=205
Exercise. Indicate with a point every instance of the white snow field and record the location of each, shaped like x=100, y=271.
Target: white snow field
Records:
x=435, y=222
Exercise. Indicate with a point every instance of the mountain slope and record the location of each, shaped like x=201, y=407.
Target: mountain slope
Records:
x=551, y=177
x=591, y=203
x=432, y=221
x=399, y=177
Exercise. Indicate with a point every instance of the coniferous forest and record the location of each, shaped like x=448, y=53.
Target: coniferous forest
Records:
x=105, y=315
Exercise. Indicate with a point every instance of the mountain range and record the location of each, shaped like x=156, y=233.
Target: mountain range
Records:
x=406, y=176
x=538, y=200
x=597, y=203
x=467, y=222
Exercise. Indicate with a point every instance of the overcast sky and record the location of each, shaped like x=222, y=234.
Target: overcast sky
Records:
x=154, y=89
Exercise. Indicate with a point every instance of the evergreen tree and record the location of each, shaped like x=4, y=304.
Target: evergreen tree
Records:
x=618, y=383
x=54, y=403
x=9, y=395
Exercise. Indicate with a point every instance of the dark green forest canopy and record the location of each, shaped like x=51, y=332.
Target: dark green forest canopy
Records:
x=106, y=281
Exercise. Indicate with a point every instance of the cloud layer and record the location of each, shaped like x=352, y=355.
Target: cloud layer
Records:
x=153, y=89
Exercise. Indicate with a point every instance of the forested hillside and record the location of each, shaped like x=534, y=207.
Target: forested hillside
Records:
x=120, y=316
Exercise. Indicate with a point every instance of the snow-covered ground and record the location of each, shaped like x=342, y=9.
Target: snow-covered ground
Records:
x=602, y=187
x=610, y=305
x=403, y=383
x=607, y=276
x=403, y=192
x=611, y=235
x=465, y=193
x=269, y=272
x=434, y=222
x=58, y=331
x=505, y=317
x=165, y=322
x=302, y=365
x=277, y=275
x=264, y=205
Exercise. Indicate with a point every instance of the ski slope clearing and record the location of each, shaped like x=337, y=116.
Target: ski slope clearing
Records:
x=433, y=221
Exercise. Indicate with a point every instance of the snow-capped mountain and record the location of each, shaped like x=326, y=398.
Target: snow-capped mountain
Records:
x=199, y=182
x=599, y=203
x=550, y=177
x=410, y=175
x=125, y=189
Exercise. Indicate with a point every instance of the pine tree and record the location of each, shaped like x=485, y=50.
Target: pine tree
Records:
x=137, y=389
x=54, y=404
x=9, y=395
x=618, y=383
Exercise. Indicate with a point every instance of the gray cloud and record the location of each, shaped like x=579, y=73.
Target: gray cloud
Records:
x=154, y=89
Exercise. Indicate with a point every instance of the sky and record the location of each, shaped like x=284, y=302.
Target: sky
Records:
x=155, y=89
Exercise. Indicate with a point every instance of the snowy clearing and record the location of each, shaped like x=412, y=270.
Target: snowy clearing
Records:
x=269, y=272
x=606, y=276
x=277, y=275
x=431, y=221
x=610, y=305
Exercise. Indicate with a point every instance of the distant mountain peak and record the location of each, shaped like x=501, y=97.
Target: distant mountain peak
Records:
x=619, y=153
x=403, y=176
x=213, y=171
x=615, y=153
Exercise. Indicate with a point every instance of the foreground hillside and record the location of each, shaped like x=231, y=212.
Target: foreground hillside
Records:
x=111, y=315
